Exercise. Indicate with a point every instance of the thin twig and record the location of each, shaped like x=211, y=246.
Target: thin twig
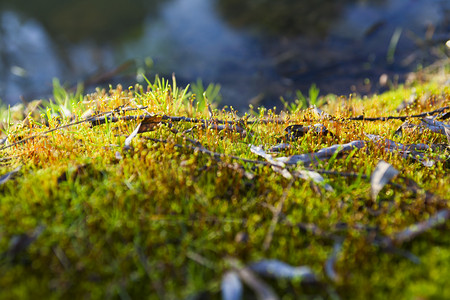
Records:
x=44, y=133
x=103, y=119
x=402, y=118
x=414, y=230
x=276, y=217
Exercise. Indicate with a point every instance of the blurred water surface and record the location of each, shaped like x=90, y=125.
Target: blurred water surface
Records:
x=257, y=50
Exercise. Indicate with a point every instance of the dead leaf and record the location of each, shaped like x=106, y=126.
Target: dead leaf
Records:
x=279, y=147
x=21, y=242
x=9, y=175
x=419, y=156
x=239, y=168
x=447, y=133
x=127, y=144
x=406, y=103
x=150, y=123
x=259, y=287
x=226, y=128
x=407, y=127
x=118, y=155
x=88, y=114
x=314, y=176
x=78, y=171
x=31, y=110
x=445, y=116
x=280, y=270
x=386, y=142
x=285, y=173
x=297, y=131
x=62, y=257
x=383, y=173
x=322, y=154
x=277, y=166
x=435, y=126
x=259, y=151
x=231, y=286
x=331, y=261
x=406, y=151
x=320, y=113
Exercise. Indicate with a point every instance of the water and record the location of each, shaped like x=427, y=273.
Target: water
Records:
x=256, y=50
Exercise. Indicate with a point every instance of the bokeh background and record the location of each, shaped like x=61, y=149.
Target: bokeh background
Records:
x=257, y=50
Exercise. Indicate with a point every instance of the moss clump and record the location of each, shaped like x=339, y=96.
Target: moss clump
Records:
x=94, y=212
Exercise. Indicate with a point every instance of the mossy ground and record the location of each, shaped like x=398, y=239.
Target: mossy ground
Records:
x=86, y=218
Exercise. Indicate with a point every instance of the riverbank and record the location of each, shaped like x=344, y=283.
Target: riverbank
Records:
x=145, y=192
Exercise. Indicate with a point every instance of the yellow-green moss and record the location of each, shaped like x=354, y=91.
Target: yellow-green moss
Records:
x=159, y=220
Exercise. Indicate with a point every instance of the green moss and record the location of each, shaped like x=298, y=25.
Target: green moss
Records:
x=160, y=219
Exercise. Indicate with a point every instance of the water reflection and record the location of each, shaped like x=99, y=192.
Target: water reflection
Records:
x=285, y=17
x=255, y=49
x=74, y=21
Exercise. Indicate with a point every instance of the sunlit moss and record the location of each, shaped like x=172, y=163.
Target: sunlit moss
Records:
x=160, y=218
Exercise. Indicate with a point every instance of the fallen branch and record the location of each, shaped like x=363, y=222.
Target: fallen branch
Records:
x=149, y=118
x=103, y=119
x=402, y=118
x=414, y=230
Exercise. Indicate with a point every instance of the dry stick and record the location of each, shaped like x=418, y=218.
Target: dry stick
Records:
x=276, y=217
x=314, y=230
x=437, y=219
x=261, y=289
x=8, y=175
x=103, y=119
x=414, y=230
x=260, y=162
x=402, y=118
x=44, y=133
x=93, y=121
x=200, y=260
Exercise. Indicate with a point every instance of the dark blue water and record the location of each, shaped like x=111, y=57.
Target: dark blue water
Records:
x=256, y=50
